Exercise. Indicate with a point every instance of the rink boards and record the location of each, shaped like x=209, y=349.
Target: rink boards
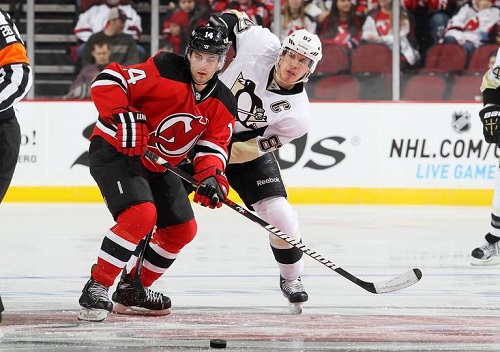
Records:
x=370, y=153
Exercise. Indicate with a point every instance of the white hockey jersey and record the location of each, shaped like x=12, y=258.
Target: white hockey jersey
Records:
x=471, y=25
x=95, y=18
x=268, y=116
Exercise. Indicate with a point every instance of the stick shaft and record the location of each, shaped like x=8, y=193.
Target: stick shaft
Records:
x=140, y=261
x=407, y=279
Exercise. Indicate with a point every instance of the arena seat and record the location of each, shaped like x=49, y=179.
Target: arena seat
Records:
x=341, y=87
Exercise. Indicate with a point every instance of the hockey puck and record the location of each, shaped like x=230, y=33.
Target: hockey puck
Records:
x=218, y=343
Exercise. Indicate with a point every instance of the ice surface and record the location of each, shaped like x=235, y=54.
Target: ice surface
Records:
x=225, y=283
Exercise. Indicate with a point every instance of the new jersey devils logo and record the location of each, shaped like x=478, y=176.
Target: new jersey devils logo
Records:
x=178, y=133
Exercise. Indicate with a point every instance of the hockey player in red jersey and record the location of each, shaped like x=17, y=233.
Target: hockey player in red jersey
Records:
x=267, y=77
x=170, y=105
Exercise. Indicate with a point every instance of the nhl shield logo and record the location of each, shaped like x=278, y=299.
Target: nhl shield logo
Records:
x=461, y=121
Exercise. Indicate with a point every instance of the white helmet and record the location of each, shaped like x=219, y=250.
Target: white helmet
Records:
x=305, y=43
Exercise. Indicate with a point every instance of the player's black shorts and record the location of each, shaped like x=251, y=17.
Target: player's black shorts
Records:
x=10, y=142
x=124, y=181
x=257, y=179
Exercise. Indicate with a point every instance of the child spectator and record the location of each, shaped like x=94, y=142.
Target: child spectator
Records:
x=342, y=26
x=475, y=23
x=378, y=29
x=294, y=17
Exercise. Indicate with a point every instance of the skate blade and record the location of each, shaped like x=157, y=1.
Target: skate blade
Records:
x=295, y=308
x=124, y=310
x=94, y=315
x=495, y=260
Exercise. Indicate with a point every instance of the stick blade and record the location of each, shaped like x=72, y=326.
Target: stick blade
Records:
x=405, y=280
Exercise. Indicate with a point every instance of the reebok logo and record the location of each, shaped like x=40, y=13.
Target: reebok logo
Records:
x=268, y=180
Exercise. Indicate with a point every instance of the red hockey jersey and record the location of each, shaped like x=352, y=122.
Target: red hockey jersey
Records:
x=178, y=118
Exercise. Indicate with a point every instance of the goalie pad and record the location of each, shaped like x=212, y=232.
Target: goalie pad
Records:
x=490, y=116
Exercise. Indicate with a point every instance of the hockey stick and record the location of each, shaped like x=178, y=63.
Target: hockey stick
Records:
x=140, y=259
x=397, y=283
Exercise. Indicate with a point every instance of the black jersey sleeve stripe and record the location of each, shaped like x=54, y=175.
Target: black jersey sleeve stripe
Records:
x=205, y=150
x=104, y=76
x=15, y=83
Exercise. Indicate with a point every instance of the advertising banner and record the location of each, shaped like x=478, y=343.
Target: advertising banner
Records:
x=370, y=146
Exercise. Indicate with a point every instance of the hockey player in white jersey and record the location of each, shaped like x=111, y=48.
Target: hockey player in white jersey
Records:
x=489, y=252
x=267, y=77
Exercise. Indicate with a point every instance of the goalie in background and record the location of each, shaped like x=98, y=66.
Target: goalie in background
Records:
x=489, y=252
x=15, y=84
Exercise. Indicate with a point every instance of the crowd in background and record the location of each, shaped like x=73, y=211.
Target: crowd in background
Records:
x=348, y=23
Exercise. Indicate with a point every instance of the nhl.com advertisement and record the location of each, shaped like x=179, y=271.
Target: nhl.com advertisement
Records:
x=364, y=145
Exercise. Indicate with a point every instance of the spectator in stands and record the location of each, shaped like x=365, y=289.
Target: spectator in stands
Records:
x=476, y=22
x=80, y=88
x=431, y=18
x=255, y=9
x=342, y=26
x=377, y=28
x=191, y=13
x=95, y=18
x=197, y=13
x=175, y=31
x=294, y=17
x=122, y=45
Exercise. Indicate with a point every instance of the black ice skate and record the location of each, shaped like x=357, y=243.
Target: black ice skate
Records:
x=132, y=299
x=95, y=302
x=295, y=293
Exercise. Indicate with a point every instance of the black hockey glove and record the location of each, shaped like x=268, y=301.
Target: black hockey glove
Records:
x=213, y=188
x=491, y=125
